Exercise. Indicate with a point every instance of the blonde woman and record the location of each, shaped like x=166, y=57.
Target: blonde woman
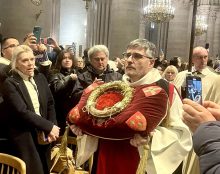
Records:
x=170, y=73
x=32, y=115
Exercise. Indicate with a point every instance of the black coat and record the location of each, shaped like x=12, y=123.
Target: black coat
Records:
x=206, y=143
x=23, y=122
x=4, y=143
x=89, y=76
x=62, y=87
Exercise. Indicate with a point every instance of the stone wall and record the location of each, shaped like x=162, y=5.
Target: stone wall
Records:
x=19, y=17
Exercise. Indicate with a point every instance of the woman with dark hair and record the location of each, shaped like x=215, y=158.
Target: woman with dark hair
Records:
x=62, y=83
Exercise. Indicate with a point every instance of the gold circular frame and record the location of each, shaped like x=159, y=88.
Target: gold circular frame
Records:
x=120, y=86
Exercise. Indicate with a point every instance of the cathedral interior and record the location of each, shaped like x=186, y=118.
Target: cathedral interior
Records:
x=113, y=23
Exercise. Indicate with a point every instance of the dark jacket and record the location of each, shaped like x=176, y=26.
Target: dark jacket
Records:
x=89, y=76
x=206, y=143
x=23, y=123
x=4, y=143
x=62, y=87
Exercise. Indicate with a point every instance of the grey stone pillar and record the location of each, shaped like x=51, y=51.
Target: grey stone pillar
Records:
x=211, y=29
x=124, y=25
x=216, y=41
x=19, y=17
x=179, y=31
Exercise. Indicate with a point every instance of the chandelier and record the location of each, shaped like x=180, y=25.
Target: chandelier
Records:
x=87, y=4
x=201, y=25
x=159, y=11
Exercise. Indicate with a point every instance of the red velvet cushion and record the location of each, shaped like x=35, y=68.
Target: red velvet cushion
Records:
x=149, y=101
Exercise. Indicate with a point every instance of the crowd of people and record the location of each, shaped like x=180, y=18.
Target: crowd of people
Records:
x=38, y=89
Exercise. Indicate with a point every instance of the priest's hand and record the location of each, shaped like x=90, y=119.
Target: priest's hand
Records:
x=76, y=130
x=138, y=140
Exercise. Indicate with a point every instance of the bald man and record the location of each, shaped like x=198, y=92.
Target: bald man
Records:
x=199, y=60
x=200, y=68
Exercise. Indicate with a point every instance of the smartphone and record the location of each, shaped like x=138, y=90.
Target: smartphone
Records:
x=194, y=88
x=46, y=41
x=37, y=32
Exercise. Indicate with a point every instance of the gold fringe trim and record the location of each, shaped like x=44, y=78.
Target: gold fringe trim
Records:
x=143, y=161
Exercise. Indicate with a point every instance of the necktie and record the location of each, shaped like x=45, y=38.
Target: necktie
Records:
x=197, y=73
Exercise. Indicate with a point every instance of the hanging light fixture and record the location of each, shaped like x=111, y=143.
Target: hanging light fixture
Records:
x=87, y=4
x=201, y=25
x=159, y=11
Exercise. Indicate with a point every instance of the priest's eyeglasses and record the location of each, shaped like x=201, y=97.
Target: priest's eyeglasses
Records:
x=134, y=56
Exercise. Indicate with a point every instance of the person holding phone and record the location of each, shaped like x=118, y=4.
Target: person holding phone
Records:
x=200, y=69
x=204, y=122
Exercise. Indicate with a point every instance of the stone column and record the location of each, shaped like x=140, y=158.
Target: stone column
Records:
x=19, y=17
x=211, y=29
x=54, y=30
x=216, y=41
x=143, y=23
x=179, y=31
x=124, y=25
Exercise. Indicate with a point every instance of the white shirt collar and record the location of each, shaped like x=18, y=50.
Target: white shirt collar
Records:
x=4, y=61
x=23, y=76
x=152, y=76
x=204, y=71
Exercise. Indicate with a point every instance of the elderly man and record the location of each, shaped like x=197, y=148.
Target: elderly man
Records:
x=199, y=59
x=98, y=67
x=171, y=140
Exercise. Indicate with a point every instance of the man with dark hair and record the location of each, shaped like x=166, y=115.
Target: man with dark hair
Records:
x=8, y=44
x=153, y=97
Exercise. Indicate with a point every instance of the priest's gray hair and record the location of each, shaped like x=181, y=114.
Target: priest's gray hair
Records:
x=149, y=47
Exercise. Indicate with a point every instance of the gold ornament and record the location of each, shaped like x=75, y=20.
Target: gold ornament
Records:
x=119, y=86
